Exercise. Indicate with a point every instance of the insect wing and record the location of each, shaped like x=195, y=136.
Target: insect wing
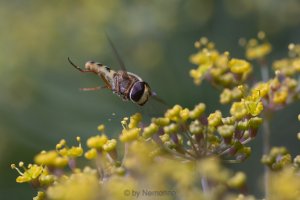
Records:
x=158, y=99
x=154, y=107
x=120, y=61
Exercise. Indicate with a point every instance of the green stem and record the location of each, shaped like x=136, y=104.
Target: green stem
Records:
x=205, y=186
x=264, y=70
x=266, y=149
x=266, y=130
x=228, y=149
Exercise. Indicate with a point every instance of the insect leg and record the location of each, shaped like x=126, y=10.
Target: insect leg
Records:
x=108, y=85
x=93, y=88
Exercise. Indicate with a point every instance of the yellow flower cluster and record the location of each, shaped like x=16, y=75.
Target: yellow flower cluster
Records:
x=217, y=68
x=229, y=95
x=35, y=174
x=231, y=74
x=187, y=136
x=291, y=65
x=248, y=106
x=100, y=144
x=204, y=135
x=274, y=94
x=71, y=152
x=51, y=159
x=97, y=142
x=284, y=177
x=278, y=158
x=287, y=66
x=83, y=185
x=277, y=92
x=285, y=184
x=257, y=48
x=149, y=165
x=131, y=131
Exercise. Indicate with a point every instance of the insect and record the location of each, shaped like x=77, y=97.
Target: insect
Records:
x=126, y=85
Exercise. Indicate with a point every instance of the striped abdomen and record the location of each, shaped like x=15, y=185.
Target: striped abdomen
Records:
x=103, y=71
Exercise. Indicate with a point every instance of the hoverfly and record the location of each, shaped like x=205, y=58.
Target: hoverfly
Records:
x=126, y=85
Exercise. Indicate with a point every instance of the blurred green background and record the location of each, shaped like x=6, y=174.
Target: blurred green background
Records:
x=39, y=98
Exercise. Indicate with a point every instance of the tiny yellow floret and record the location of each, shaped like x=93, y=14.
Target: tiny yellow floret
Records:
x=91, y=154
x=197, y=111
x=150, y=130
x=238, y=110
x=239, y=66
x=101, y=128
x=215, y=119
x=161, y=121
x=110, y=145
x=237, y=181
x=135, y=120
x=97, y=141
x=129, y=135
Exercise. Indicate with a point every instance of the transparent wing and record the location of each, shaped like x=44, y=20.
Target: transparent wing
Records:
x=157, y=98
x=154, y=107
x=120, y=61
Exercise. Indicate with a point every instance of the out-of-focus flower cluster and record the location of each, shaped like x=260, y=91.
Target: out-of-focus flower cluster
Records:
x=232, y=75
x=257, y=48
x=167, y=158
x=218, y=68
x=273, y=94
x=284, y=179
x=291, y=65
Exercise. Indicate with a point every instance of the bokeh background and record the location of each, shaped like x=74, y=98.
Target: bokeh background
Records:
x=39, y=98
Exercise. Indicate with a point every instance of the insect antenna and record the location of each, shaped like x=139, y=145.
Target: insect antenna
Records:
x=75, y=65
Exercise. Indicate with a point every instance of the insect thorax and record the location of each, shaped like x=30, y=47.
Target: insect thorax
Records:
x=122, y=83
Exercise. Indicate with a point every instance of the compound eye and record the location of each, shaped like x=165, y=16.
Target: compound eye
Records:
x=137, y=91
